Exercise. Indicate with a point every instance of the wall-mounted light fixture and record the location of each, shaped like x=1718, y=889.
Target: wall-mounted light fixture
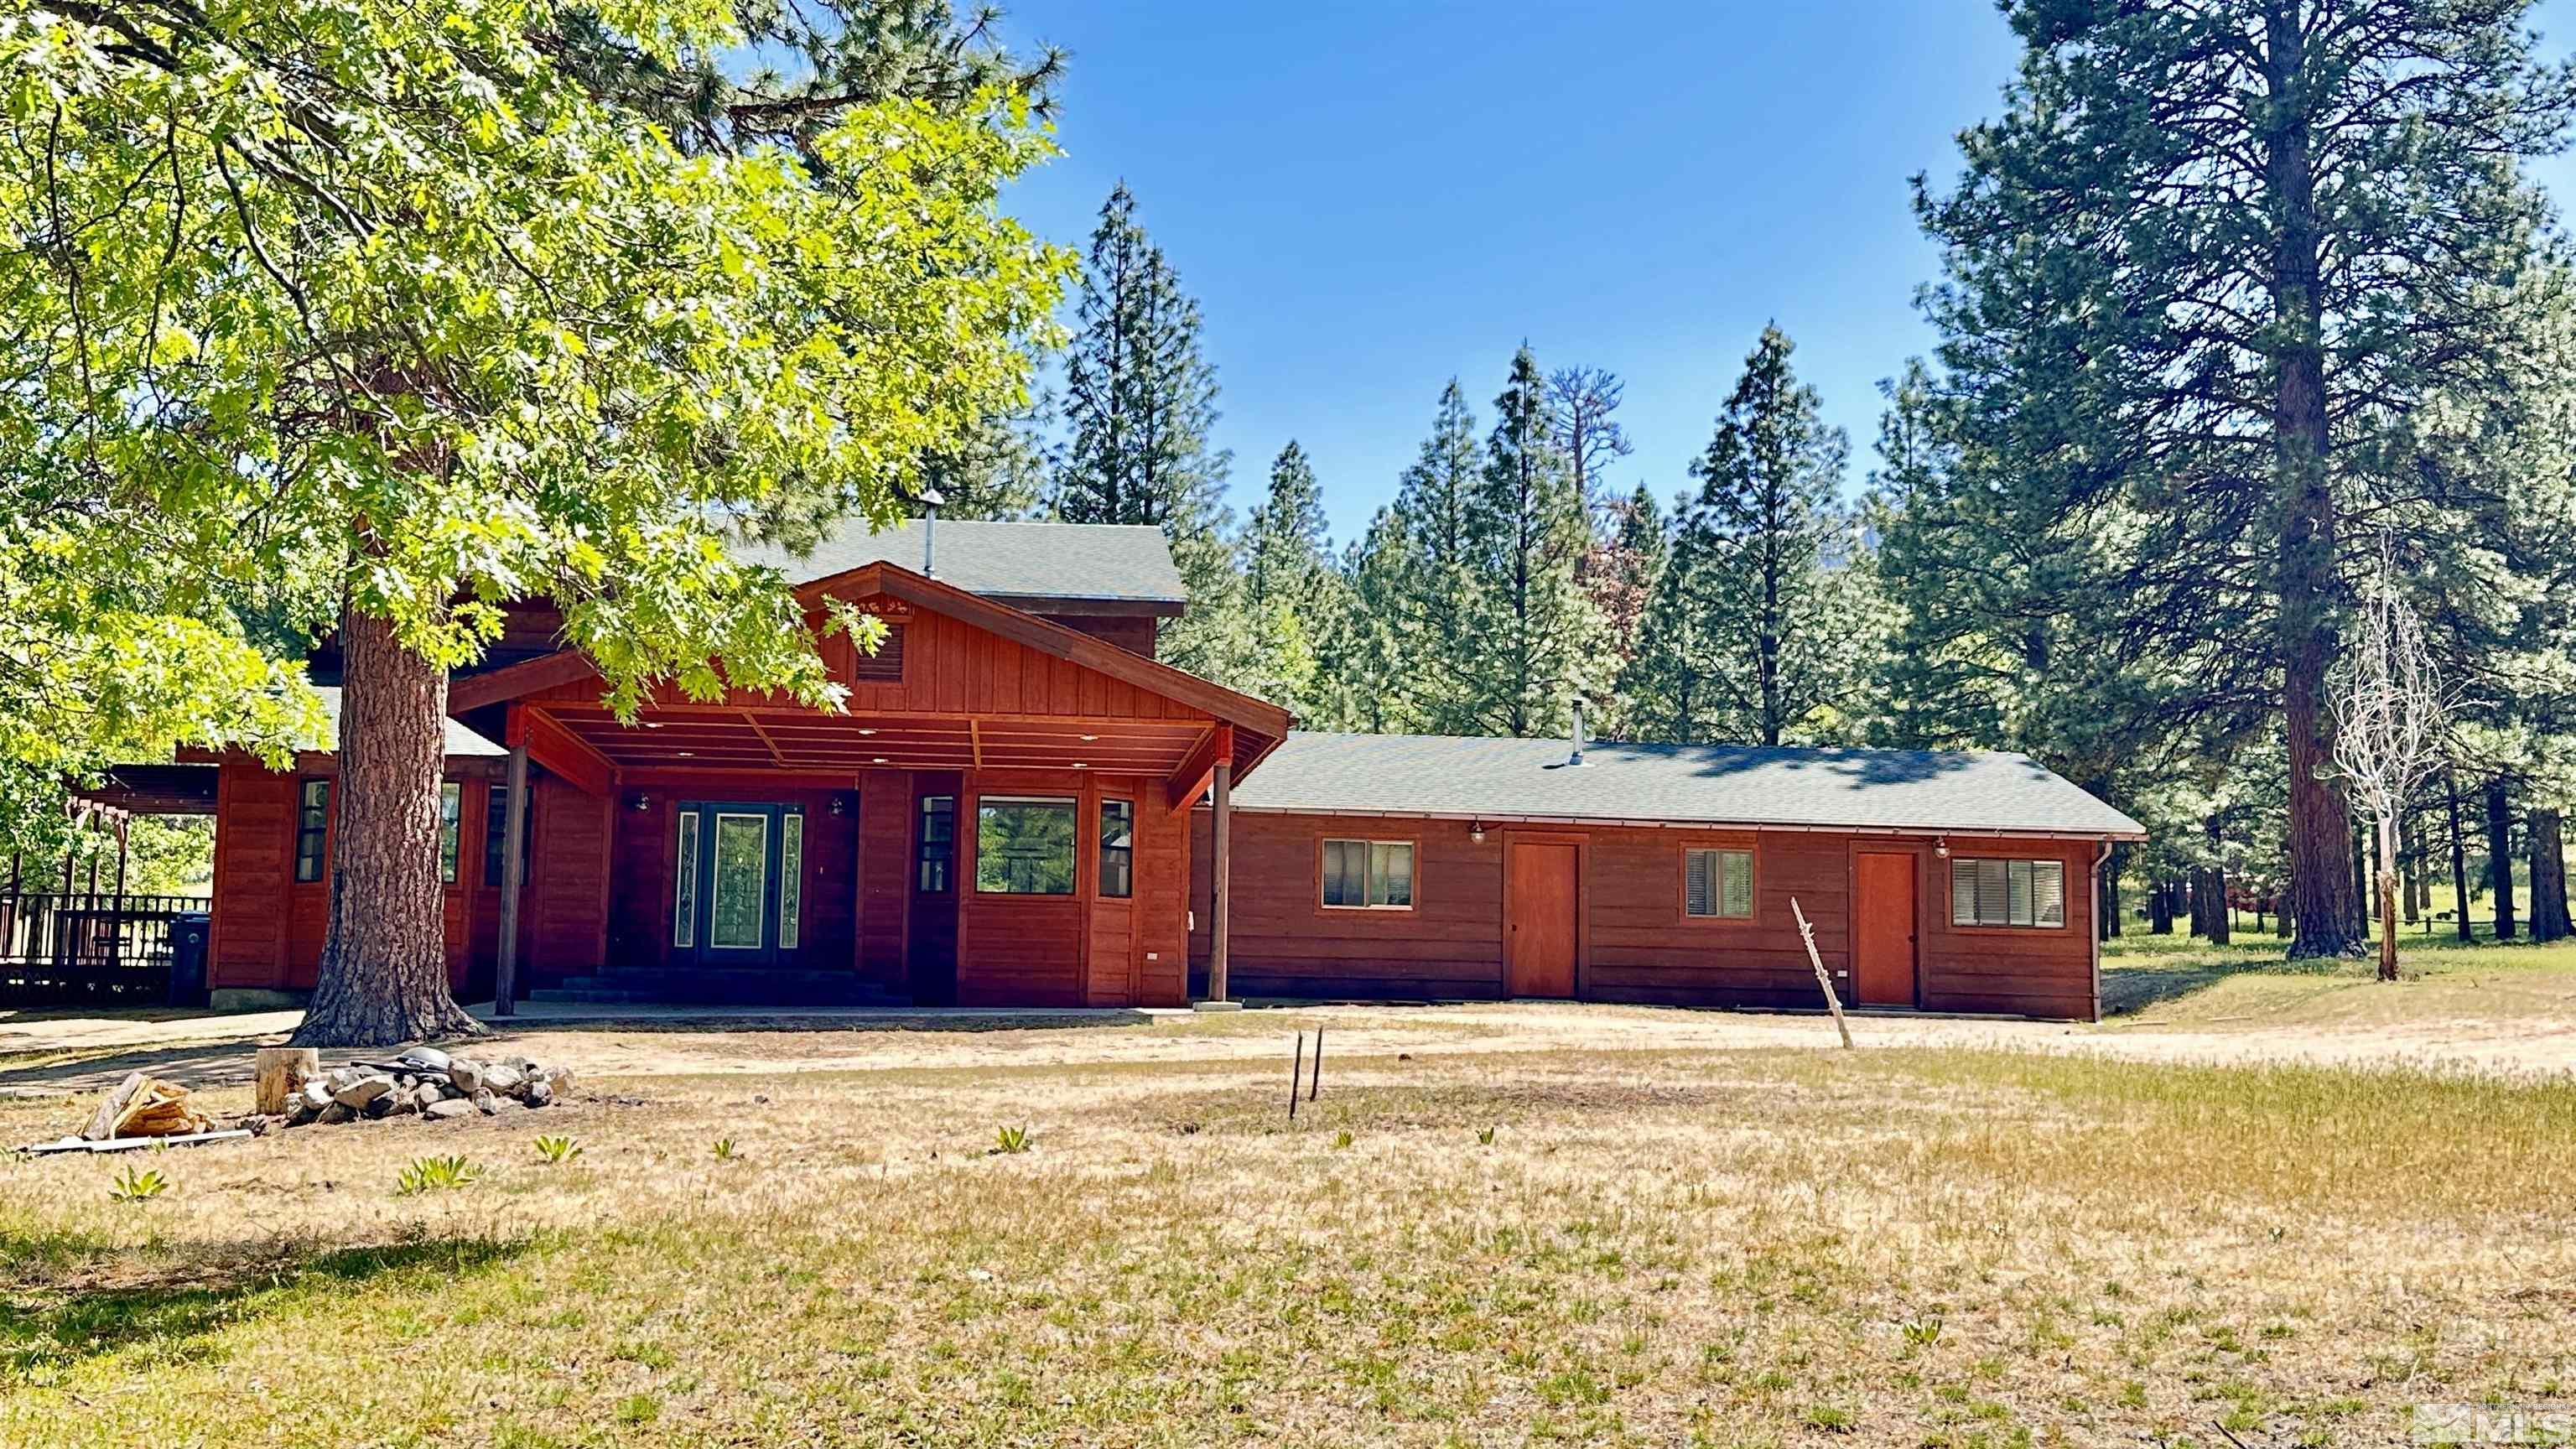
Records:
x=640, y=802
x=840, y=805
x=1476, y=831
x=1941, y=847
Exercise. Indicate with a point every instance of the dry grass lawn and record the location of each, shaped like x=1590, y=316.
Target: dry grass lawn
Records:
x=1465, y=1241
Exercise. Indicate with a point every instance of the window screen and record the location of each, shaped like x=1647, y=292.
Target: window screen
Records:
x=1985, y=892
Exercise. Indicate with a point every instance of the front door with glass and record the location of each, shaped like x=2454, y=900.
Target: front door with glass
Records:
x=736, y=894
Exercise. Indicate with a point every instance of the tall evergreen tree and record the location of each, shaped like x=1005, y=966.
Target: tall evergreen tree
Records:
x=1529, y=534
x=1435, y=579
x=993, y=469
x=1764, y=656
x=1289, y=586
x=1140, y=401
x=1368, y=677
x=1583, y=422
x=2204, y=277
x=1626, y=565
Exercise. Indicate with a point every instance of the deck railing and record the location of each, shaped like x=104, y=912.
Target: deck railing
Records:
x=70, y=948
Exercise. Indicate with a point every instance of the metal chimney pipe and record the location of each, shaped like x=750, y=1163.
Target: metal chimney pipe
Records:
x=1577, y=757
x=930, y=501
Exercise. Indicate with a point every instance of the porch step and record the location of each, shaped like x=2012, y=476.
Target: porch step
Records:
x=721, y=988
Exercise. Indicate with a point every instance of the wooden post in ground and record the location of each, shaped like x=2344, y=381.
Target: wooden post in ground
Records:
x=1833, y=1003
x=514, y=869
x=281, y=1072
x=1222, y=833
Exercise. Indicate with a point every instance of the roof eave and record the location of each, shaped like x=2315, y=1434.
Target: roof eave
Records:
x=1676, y=823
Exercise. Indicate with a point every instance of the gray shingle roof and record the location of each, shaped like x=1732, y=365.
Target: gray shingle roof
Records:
x=1109, y=561
x=460, y=740
x=1509, y=779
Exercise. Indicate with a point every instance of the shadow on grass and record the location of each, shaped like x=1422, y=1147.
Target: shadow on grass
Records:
x=46, y=1328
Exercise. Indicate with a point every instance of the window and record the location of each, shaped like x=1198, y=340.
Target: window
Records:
x=684, y=913
x=451, y=822
x=1118, y=848
x=2007, y=892
x=312, y=824
x=1718, y=884
x=1024, y=846
x=937, y=845
x=791, y=875
x=1368, y=874
x=496, y=822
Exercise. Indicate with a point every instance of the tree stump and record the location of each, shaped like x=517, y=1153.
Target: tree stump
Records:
x=282, y=1072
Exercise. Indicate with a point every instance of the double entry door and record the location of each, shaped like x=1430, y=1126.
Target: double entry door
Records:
x=737, y=894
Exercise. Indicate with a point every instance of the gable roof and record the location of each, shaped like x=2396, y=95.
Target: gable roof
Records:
x=1731, y=785
x=1259, y=724
x=1015, y=562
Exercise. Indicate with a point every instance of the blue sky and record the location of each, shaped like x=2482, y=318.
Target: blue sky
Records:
x=1369, y=198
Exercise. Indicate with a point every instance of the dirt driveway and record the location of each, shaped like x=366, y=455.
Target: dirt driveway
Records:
x=45, y=1056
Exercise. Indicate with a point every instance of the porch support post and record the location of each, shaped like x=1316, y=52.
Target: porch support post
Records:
x=1222, y=801
x=514, y=870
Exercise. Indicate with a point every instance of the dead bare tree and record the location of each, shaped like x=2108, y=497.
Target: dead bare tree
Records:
x=2392, y=712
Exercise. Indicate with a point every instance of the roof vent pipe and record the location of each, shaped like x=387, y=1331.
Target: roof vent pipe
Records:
x=930, y=501
x=1577, y=757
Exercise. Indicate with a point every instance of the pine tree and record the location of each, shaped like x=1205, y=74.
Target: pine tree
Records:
x=1583, y=405
x=1762, y=541
x=1367, y=676
x=1290, y=589
x=994, y=469
x=1435, y=584
x=1529, y=535
x=2207, y=277
x=1626, y=566
x=1140, y=401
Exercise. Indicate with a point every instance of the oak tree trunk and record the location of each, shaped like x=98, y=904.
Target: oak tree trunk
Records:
x=2548, y=876
x=383, y=978
x=2500, y=857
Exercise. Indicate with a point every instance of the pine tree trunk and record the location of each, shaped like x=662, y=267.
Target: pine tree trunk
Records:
x=2160, y=912
x=2322, y=897
x=2459, y=857
x=2500, y=857
x=2107, y=927
x=2219, y=916
x=2365, y=890
x=2548, y=876
x=383, y=978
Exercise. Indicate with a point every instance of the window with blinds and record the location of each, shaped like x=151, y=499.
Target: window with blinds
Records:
x=1718, y=884
x=2007, y=892
x=1368, y=875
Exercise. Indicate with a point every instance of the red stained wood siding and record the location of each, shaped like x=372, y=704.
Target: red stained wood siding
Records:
x=269, y=928
x=1637, y=943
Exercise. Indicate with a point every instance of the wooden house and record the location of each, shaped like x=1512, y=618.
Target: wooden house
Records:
x=1020, y=806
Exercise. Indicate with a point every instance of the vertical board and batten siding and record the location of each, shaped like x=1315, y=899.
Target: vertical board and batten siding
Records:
x=953, y=667
x=883, y=876
x=1638, y=945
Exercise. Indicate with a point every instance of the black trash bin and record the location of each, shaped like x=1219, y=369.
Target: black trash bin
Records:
x=189, y=932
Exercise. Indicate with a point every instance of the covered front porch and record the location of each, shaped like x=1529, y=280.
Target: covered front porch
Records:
x=1000, y=819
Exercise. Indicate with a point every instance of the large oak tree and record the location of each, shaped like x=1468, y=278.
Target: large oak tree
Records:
x=373, y=317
